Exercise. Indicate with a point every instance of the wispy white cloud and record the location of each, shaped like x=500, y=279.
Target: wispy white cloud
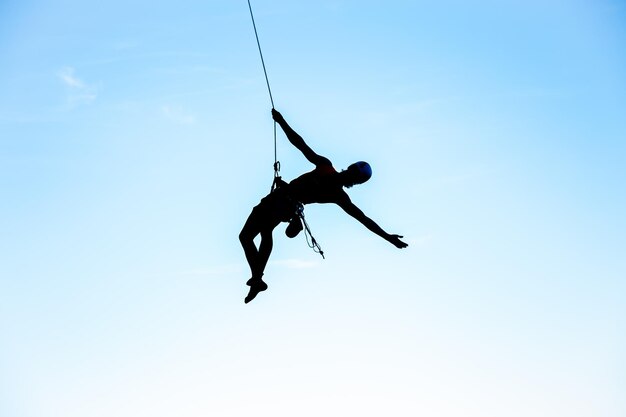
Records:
x=177, y=115
x=239, y=268
x=420, y=241
x=470, y=175
x=67, y=76
x=126, y=44
x=214, y=270
x=78, y=91
x=295, y=263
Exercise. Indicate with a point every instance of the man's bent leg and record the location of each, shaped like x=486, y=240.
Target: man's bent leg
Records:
x=265, y=249
x=261, y=221
x=249, y=231
x=256, y=283
x=250, y=250
x=262, y=256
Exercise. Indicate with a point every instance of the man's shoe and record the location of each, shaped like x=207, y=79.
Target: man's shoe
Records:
x=256, y=287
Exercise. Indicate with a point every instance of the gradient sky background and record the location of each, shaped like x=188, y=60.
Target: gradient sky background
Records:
x=135, y=137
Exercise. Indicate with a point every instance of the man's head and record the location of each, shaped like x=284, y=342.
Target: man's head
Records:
x=357, y=173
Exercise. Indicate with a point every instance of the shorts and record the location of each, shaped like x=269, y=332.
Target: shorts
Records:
x=279, y=205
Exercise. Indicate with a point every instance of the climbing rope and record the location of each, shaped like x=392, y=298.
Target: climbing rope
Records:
x=310, y=240
x=267, y=81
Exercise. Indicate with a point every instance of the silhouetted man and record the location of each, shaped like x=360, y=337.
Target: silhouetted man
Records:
x=322, y=185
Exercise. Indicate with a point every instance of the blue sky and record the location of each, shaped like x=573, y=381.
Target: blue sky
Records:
x=136, y=137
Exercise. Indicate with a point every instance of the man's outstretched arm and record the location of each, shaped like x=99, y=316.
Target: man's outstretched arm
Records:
x=297, y=141
x=356, y=212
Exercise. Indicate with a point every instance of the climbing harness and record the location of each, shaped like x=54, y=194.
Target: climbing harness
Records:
x=277, y=182
x=298, y=222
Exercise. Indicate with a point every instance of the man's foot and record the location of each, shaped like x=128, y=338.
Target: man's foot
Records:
x=256, y=286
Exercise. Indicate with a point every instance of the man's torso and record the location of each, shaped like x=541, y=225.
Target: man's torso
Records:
x=318, y=186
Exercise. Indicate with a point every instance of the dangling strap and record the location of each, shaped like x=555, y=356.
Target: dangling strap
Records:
x=310, y=240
